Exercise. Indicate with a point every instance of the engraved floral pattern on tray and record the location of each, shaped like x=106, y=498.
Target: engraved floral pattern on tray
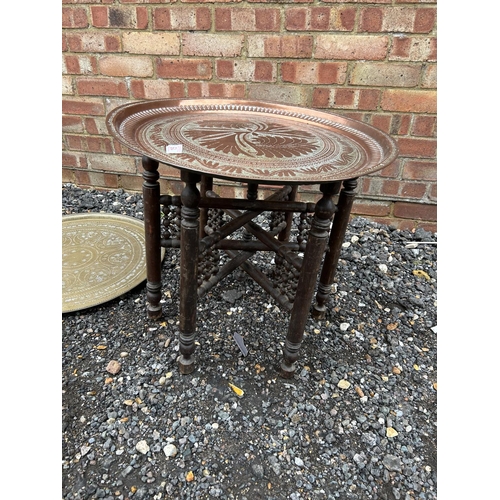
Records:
x=103, y=256
x=225, y=145
x=248, y=142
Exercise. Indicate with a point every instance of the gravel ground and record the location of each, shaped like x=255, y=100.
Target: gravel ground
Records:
x=357, y=421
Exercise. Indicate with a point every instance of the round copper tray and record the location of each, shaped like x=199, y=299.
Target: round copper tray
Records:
x=103, y=256
x=252, y=140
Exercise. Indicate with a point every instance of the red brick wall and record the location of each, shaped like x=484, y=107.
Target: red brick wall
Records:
x=374, y=60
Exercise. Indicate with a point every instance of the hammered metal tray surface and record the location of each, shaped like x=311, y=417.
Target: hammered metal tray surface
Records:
x=252, y=140
x=103, y=256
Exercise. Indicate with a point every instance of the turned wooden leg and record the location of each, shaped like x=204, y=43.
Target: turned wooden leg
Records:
x=190, y=227
x=151, y=200
x=316, y=243
x=339, y=227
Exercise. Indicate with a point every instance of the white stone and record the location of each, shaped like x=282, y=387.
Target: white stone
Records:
x=142, y=447
x=170, y=450
x=344, y=384
x=344, y=326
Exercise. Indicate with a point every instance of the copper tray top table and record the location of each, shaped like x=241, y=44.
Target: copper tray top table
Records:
x=257, y=143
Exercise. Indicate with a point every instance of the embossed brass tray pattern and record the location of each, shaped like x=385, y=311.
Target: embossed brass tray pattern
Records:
x=251, y=140
x=103, y=256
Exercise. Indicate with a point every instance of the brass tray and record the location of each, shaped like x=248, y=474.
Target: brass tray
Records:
x=103, y=256
x=252, y=140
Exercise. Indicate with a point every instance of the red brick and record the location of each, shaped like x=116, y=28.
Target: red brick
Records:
x=101, y=86
x=296, y=19
x=296, y=46
x=420, y=170
x=397, y=19
x=74, y=17
x=433, y=51
x=246, y=19
x=424, y=126
x=194, y=89
x=415, y=211
x=208, y=89
x=120, y=149
x=75, y=142
x=96, y=179
x=225, y=69
x=83, y=106
x=72, y=124
x=371, y=20
x=156, y=89
x=331, y=72
x=94, y=144
x=344, y=97
x=93, y=42
x=320, y=18
x=321, y=98
x=414, y=101
x=290, y=46
x=391, y=171
x=413, y=190
x=263, y=71
x=161, y=19
x=418, y=148
x=369, y=99
x=400, y=124
x=312, y=72
x=382, y=122
x=80, y=64
x=371, y=208
x=413, y=48
x=425, y=20
x=347, y=18
x=184, y=68
x=267, y=19
x=69, y=160
x=223, y=19
x=389, y=188
x=393, y=188
x=91, y=126
x=99, y=144
x=401, y=46
x=99, y=16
